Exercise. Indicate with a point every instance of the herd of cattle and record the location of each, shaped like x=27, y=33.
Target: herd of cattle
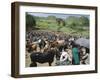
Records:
x=44, y=46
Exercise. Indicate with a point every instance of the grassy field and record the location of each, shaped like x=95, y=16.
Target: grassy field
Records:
x=73, y=25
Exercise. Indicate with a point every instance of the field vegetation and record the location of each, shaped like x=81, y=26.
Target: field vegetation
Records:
x=71, y=25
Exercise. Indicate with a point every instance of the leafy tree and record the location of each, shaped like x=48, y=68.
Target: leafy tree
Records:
x=72, y=21
x=60, y=22
x=84, y=21
x=30, y=21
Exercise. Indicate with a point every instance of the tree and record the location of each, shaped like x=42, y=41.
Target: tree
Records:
x=72, y=21
x=60, y=22
x=30, y=21
x=84, y=21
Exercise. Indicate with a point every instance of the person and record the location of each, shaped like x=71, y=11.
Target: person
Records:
x=84, y=56
x=64, y=58
x=75, y=53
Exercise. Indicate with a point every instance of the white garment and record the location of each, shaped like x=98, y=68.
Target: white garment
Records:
x=64, y=56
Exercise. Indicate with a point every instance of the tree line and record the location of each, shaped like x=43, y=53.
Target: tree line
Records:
x=73, y=22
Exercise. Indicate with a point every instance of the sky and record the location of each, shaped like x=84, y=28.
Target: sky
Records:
x=58, y=15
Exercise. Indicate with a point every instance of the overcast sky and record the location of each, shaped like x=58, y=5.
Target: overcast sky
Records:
x=58, y=15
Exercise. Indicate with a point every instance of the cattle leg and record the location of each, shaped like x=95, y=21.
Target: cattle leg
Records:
x=33, y=64
x=50, y=64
